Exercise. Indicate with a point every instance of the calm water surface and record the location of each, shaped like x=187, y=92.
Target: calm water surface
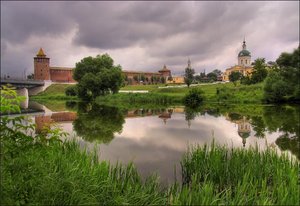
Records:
x=156, y=139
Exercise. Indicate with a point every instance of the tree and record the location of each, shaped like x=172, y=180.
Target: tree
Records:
x=234, y=77
x=194, y=98
x=259, y=71
x=189, y=76
x=71, y=91
x=152, y=79
x=246, y=80
x=97, y=76
x=30, y=76
x=136, y=78
x=282, y=83
x=217, y=72
x=212, y=76
x=143, y=78
x=163, y=80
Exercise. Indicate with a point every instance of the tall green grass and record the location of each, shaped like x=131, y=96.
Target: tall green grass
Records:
x=218, y=175
x=138, y=98
x=61, y=174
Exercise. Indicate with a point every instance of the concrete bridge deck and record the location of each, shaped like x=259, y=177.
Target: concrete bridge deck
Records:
x=18, y=83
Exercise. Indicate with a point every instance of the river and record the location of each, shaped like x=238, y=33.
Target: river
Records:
x=155, y=139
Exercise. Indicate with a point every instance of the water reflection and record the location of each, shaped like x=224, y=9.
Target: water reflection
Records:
x=244, y=127
x=45, y=121
x=102, y=123
x=98, y=123
x=155, y=139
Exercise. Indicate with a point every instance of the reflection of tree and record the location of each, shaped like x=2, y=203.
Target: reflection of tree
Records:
x=191, y=113
x=98, y=123
x=71, y=105
x=284, y=142
x=213, y=112
x=235, y=116
x=285, y=119
x=258, y=126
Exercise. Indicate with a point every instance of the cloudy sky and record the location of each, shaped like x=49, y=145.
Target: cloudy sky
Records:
x=145, y=35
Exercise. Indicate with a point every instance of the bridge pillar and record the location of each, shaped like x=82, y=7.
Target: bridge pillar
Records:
x=36, y=90
x=23, y=92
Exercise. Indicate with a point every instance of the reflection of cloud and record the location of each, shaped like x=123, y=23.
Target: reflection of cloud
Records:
x=156, y=147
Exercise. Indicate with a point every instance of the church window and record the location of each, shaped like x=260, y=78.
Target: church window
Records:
x=242, y=61
x=246, y=61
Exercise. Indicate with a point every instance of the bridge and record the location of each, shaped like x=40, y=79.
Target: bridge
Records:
x=23, y=83
x=26, y=88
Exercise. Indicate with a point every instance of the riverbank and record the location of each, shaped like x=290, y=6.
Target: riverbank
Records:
x=46, y=171
x=54, y=92
x=227, y=93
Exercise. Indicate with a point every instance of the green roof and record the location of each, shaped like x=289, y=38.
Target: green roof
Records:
x=244, y=52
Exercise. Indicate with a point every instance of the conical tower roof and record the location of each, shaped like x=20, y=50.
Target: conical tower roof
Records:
x=41, y=53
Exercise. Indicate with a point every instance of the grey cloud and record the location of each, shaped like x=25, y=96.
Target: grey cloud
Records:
x=135, y=23
x=167, y=32
x=20, y=20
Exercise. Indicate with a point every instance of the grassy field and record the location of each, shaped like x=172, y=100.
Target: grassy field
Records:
x=54, y=92
x=213, y=93
x=143, y=87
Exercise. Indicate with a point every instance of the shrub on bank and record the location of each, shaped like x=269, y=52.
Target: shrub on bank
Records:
x=194, y=98
x=71, y=91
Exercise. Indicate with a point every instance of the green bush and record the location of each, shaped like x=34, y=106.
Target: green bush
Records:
x=71, y=91
x=194, y=98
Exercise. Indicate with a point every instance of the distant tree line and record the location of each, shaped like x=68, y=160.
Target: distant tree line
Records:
x=142, y=79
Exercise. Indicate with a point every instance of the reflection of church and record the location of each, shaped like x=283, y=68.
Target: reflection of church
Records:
x=244, y=128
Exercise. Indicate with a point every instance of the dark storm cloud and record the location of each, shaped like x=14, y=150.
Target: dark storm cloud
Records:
x=20, y=20
x=150, y=33
x=128, y=24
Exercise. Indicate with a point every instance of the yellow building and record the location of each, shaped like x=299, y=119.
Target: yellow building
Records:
x=176, y=80
x=244, y=64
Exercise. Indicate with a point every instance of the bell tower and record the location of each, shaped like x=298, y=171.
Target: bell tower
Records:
x=41, y=66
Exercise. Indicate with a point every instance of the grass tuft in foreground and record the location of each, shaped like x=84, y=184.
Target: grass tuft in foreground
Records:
x=61, y=174
x=218, y=175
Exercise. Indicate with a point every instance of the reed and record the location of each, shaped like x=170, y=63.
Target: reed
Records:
x=218, y=175
x=62, y=174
